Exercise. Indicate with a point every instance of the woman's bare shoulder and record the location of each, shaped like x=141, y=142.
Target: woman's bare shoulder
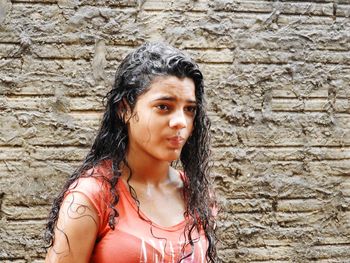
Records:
x=77, y=219
x=176, y=177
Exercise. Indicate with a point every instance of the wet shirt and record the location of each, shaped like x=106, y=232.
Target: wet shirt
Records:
x=135, y=237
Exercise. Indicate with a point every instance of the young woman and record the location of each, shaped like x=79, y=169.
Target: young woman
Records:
x=128, y=202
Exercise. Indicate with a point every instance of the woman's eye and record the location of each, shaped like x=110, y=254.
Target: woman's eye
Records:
x=191, y=109
x=163, y=107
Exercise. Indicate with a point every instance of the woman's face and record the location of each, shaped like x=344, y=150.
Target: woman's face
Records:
x=162, y=119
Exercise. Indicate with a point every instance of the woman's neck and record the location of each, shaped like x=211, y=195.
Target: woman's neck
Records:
x=146, y=170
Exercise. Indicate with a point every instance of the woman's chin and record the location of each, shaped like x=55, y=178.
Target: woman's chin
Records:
x=172, y=155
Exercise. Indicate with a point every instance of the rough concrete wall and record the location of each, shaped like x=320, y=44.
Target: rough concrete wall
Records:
x=277, y=75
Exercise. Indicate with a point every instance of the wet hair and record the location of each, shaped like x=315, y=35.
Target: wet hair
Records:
x=133, y=78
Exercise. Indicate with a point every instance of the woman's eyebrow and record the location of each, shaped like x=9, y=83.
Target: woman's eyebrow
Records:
x=170, y=98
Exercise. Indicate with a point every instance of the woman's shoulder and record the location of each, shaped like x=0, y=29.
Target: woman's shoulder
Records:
x=94, y=180
x=102, y=170
x=177, y=177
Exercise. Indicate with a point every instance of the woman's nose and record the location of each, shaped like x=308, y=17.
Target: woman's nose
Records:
x=178, y=120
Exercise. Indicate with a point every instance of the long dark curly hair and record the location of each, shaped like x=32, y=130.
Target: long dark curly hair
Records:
x=133, y=78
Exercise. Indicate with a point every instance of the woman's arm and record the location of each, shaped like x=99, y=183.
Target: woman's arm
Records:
x=75, y=232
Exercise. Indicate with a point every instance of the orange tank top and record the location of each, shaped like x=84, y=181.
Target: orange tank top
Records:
x=135, y=238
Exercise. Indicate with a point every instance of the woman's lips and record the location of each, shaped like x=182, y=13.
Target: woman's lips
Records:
x=176, y=141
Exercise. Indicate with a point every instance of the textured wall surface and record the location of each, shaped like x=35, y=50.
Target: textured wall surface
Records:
x=277, y=75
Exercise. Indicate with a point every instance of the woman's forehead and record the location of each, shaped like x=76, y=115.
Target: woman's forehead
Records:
x=168, y=87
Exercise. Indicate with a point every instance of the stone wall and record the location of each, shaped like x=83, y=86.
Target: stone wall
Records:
x=277, y=76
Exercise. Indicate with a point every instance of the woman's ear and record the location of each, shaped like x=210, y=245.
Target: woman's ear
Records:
x=124, y=111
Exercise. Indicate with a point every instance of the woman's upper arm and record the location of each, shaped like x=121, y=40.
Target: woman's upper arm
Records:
x=75, y=232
